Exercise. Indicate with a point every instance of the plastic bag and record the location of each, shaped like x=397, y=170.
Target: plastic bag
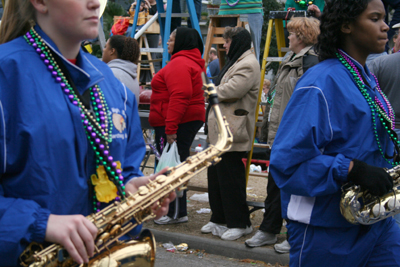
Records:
x=169, y=157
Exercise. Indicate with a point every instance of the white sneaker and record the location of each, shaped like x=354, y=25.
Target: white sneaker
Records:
x=261, y=238
x=210, y=227
x=235, y=233
x=168, y=220
x=283, y=247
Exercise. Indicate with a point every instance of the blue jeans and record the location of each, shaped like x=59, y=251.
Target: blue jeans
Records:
x=256, y=22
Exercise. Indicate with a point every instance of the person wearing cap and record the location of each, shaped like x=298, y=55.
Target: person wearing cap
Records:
x=395, y=5
x=396, y=40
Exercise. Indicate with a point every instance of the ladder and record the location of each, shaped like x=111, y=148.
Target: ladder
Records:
x=275, y=18
x=216, y=28
x=164, y=18
x=143, y=43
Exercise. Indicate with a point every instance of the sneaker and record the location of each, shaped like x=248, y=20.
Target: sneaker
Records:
x=235, y=233
x=168, y=220
x=261, y=238
x=210, y=227
x=283, y=247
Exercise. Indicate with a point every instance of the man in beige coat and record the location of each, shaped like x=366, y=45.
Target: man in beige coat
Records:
x=237, y=88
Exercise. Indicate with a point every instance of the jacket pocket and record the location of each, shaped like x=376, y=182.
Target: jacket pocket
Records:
x=237, y=125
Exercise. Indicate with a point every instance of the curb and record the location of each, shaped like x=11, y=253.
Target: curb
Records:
x=228, y=249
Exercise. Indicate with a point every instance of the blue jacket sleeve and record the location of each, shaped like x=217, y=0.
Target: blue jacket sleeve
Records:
x=298, y=162
x=21, y=221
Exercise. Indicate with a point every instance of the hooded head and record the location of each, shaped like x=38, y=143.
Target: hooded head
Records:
x=187, y=39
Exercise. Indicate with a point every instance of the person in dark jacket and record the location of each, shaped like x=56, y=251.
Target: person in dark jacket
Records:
x=303, y=33
x=177, y=107
x=395, y=4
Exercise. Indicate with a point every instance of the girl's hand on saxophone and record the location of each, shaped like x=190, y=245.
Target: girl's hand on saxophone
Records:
x=75, y=233
x=159, y=210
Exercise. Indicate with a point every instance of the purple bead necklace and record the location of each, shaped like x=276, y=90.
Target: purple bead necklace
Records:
x=375, y=105
x=97, y=126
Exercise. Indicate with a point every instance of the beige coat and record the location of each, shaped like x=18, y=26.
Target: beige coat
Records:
x=238, y=91
x=289, y=73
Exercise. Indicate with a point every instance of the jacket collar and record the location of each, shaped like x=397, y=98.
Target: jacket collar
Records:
x=84, y=74
x=293, y=62
x=245, y=54
x=364, y=71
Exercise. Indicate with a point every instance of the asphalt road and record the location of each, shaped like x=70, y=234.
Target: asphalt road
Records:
x=169, y=259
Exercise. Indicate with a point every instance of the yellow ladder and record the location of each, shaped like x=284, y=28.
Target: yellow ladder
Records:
x=275, y=18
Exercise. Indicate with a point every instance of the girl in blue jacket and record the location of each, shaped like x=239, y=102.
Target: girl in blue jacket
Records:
x=70, y=135
x=331, y=134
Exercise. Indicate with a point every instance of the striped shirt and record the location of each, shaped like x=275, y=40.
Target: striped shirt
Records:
x=241, y=7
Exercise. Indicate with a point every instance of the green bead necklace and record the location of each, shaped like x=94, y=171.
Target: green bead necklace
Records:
x=375, y=109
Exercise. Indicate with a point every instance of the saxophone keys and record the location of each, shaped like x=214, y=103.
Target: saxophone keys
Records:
x=116, y=229
x=143, y=190
x=378, y=210
x=393, y=203
x=161, y=179
x=102, y=239
x=356, y=205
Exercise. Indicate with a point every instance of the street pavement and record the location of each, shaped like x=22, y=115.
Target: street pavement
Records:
x=229, y=249
x=197, y=259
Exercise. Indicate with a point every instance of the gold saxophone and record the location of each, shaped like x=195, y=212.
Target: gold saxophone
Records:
x=361, y=207
x=116, y=220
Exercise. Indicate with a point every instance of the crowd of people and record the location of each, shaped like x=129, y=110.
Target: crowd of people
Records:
x=69, y=122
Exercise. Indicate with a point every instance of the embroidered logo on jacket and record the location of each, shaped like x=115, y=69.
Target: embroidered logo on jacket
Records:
x=119, y=122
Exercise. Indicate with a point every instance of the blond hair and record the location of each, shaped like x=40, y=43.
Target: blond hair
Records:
x=306, y=29
x=17, y=19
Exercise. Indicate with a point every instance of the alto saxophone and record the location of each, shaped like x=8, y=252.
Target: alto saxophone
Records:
x=116, y=220
x=361, y=207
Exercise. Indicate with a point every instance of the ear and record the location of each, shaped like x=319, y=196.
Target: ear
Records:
x=346, y=28
x=113, y=52
x=40, y=6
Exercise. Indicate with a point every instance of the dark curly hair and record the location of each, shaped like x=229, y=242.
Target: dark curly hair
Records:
x=336, y=13
x=127, y=48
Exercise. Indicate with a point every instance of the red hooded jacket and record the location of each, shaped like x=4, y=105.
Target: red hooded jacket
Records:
x=177, y=96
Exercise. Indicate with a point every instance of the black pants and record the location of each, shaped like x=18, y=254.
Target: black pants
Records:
x=184, y=139
x=227, y=191
x=272, y=222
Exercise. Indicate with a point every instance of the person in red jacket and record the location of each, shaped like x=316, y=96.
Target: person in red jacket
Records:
x=177, y=108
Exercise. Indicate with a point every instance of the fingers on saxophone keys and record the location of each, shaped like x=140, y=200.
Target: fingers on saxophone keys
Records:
x=88, y=234
x=73, y=246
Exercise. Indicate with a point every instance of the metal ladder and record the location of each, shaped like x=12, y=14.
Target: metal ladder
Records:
x=164, y=18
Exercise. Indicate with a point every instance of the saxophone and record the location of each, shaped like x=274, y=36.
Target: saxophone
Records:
x=116, y=220
x=361, y=207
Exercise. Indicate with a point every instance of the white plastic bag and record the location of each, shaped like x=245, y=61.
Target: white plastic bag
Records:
x=169, y=157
